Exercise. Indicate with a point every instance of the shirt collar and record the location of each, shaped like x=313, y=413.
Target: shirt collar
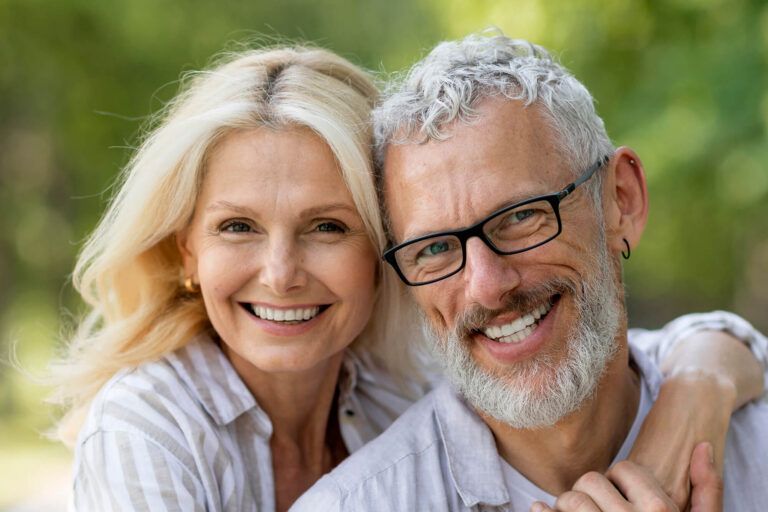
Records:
x=470, y=450
x=210, y=376
x=352, y=369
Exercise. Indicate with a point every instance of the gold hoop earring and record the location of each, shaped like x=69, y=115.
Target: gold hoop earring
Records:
x=190, y=286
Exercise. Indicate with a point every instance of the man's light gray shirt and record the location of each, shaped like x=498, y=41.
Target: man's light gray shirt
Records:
x=441, y=456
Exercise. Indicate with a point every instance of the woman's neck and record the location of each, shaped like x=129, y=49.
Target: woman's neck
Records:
x=306, y=440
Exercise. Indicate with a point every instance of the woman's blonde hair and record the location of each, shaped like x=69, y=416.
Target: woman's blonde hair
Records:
x=129, y=271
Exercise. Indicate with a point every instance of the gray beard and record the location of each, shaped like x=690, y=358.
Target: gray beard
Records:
x=561, y=387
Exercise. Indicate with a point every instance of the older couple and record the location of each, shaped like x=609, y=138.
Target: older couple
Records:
x=245, y=338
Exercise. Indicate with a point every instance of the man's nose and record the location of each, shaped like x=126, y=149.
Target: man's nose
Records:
x=488, y=276
x=282, y=268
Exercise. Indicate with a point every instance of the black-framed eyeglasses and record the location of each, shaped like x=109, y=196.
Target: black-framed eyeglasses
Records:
x=513, y=229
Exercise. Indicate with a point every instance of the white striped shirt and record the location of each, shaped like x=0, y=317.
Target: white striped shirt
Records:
x=184, y=432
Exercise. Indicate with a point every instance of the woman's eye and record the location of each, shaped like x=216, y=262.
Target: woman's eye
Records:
x=236, y=227
x=331, y=227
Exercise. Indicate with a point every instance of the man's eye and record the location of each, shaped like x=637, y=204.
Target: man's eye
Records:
x=236, y=226
x=435, y=248
x=521, y=215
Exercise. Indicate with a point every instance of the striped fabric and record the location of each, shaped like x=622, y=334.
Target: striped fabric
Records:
x=184, y=433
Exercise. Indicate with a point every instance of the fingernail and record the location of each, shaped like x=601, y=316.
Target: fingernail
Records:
x=711, y=454
x=537, y=506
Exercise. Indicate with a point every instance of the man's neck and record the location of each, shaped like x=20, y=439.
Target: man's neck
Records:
x=587, y=440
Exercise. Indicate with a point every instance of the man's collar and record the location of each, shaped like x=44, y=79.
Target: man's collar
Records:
x=471, y=451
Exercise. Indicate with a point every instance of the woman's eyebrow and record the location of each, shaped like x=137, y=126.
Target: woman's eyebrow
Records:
x=325, y=208
x=309, y=212
x=226, y=205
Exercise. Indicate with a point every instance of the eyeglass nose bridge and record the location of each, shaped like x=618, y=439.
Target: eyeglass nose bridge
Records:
x=475, y=231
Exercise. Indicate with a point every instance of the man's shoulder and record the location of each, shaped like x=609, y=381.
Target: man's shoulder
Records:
x=746, y=458
x=748, y=433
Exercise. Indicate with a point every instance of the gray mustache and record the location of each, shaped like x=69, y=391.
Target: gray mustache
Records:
x=477, y=316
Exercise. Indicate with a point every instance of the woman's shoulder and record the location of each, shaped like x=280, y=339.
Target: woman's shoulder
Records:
x=136, y=397
x=169, y=396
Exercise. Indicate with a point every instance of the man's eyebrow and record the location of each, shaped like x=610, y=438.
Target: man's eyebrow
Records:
x=518, y=197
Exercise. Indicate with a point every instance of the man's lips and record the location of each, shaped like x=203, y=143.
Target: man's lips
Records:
x=523, y=344
x=520, y=328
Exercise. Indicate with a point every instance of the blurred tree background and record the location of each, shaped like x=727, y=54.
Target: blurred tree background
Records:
x=681, y=81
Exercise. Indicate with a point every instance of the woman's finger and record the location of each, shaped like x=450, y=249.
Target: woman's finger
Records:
x=575, y=501
x=601, y=491
x=639, y=487
x=707, y=492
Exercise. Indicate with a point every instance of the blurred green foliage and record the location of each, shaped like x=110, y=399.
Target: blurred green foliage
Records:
x=682, y=81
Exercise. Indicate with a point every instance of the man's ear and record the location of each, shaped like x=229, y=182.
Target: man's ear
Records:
x=188, y=258
x=625, y=197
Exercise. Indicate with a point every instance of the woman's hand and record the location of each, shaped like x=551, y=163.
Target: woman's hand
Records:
x=630, y=487
x=708, y=376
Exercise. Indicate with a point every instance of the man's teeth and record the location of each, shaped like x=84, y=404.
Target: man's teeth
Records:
x=285, y=315
x=519, y=329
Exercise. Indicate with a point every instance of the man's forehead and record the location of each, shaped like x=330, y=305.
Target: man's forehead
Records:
x=506, y=154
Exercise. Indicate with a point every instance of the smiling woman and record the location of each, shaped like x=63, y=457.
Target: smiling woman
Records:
x=234, y=268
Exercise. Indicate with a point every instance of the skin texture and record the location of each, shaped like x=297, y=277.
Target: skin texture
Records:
x=507, y=155
x=275, y=226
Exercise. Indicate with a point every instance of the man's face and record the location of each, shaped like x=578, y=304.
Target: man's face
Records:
x=526, y=336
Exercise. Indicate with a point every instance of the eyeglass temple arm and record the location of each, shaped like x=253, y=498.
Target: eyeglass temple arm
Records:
x=584, y=177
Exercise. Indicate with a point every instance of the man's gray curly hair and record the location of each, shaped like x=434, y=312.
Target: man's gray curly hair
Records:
x=455, y=76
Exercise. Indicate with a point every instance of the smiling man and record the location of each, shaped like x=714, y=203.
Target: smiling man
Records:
x=509, y=209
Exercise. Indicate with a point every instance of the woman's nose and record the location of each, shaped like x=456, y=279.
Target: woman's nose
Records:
x=282, y=267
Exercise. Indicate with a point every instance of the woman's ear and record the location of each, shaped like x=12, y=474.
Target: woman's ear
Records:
x=625, y=197
x=188, y=258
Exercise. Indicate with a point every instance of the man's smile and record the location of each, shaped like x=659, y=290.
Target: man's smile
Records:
x=518, y=329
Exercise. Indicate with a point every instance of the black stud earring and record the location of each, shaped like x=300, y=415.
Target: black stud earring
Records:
x=627, y=254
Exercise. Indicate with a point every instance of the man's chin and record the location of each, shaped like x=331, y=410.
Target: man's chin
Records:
x=529, y=400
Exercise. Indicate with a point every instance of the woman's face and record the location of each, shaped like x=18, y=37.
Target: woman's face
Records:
x=286, y=269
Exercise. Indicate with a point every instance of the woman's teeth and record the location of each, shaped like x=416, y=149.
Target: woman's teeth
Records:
x=519, y=329
x=284, y=315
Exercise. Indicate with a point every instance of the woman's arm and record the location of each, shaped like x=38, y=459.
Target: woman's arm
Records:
x=709, y=373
